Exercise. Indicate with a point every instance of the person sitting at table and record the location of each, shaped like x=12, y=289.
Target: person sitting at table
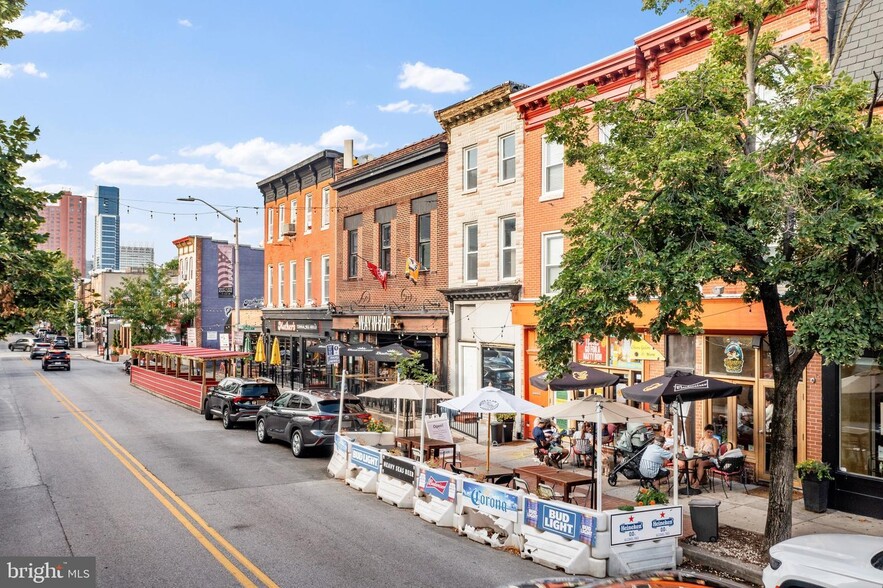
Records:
x=583, y=444
x=653, y=458
x=668, y=433
x=553, y=450
x=708, y=447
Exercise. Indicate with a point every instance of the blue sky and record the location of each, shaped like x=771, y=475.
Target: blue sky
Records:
x=167, y=99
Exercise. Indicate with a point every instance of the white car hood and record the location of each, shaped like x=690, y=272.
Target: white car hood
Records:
x=846, y=554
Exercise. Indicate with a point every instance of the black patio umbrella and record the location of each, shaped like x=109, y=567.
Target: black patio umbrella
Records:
x=322, y=347
x=580, y=377
x=393, y=353
x=680, y=386
x=358, y=349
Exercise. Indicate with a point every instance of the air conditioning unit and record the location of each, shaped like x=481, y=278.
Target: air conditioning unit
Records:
x=289, y=229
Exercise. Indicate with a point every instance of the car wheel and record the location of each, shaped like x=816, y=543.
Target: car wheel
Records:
x=297, y=444
x=68, y=368
x=261, y=430
x=225, y=418
x=206, y=411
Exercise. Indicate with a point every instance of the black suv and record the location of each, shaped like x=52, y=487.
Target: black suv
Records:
x=237, y=400
x=308, y=418
x=57, y=357
x=61, y=342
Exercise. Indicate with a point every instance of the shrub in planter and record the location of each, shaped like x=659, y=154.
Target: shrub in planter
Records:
x=650, y=497
x=816, y=476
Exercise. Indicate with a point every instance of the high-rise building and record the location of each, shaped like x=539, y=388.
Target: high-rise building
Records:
x=107, y=229
x=65, y=222
x=135, y=257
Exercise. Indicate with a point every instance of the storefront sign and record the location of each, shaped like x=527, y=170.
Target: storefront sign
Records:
x=366, y=458
x=225, y=271
x=297, y=326
x=588, y=351
x=191, y=337
x=224, y=342
x=499, y=502
x=400, y=469
x=560, y=521
x=645, y=525
x=621, y=354
x=438, y=427
x=642, y=350
x=734, y=359
x=434, y=483
x=375, y=322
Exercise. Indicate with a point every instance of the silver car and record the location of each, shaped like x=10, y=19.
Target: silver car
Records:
x=826, y=561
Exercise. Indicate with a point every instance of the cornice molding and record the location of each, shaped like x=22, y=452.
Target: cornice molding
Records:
x=486, y=103
x=495, y=292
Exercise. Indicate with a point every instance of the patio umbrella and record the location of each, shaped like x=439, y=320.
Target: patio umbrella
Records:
x=259, y=355
x=577, y=377
x=275, y=354
x=408, y=390
x=675, y=389
x=489, y=400
x=323, y=347
x=605, y=411
x=393, y=353
x=358, y=349
x=246, y=346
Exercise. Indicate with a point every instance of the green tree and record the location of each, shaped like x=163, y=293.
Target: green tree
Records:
x=150, y=303
x=32, y=282
x=411, y=368
x=708, y=181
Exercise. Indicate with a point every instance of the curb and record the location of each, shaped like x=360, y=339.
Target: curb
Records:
x=722, y=563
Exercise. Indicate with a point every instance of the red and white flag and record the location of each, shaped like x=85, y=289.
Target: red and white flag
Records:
x=379, y=274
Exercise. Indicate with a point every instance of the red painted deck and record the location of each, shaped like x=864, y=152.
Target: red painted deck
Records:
x=182, y=390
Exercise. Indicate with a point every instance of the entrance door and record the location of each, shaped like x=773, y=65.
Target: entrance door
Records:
x=763, y=408
x=469, y=369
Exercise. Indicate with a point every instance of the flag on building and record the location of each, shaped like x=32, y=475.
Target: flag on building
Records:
x=413, y=271
x=379, y=274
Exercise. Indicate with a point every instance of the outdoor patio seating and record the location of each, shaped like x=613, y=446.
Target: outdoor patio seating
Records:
x=729, y=468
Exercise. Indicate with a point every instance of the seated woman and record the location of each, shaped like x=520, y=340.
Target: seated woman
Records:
x=583, y=444
x=707, y=445
x=668, y=433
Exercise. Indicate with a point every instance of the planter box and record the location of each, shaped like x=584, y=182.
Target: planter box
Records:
x=815, y=495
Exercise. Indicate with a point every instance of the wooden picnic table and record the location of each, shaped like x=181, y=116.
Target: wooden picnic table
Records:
x=491, y=474
x=555, y=477
x=412, y=443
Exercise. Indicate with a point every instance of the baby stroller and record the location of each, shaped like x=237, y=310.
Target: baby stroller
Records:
x=627, y=455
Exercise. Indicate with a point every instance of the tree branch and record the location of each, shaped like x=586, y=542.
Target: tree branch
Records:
x=842, y=35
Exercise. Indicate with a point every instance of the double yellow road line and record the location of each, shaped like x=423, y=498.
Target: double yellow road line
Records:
x=179, y=509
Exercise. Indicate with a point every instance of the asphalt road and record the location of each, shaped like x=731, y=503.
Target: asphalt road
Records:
x=90, y=466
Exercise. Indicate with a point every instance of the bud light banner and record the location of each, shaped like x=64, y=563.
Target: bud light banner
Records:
x=489, y=498
x=434, y=483
x=366, y=458
x=560, y=521
x=646, y=525
x=340, y=443
x=400, y=469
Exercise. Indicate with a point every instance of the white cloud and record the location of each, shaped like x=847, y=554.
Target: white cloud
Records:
x=406, y=107
x=255, y=156
x=7, y=70
x=130, y=172
x=136, y=228
x=53, y=188
x=156, y=157
x=185, y=23
x=31, y=69
x=46, y=22
x=432, y=79
x=334, y=138
x=31, y=171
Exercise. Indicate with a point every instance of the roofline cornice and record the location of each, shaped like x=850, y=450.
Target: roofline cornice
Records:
x=488, y=102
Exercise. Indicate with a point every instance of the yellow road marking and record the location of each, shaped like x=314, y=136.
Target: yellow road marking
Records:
x=145, y=477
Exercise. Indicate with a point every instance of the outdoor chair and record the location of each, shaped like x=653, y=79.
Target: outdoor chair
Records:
x=520, y=484
x=546, y=492
x=582, y=453
x=726, y=470
x=504, y=480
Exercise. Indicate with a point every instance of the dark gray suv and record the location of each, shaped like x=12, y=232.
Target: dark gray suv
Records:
x=237, y=400
x=308, y=418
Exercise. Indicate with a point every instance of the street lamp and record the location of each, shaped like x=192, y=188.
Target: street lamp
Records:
x=235, y=222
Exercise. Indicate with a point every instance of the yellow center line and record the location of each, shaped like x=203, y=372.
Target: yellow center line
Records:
x=143, y=475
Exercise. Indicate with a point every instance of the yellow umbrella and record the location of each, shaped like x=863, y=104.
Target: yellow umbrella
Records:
x=275, y=355
x=259, y=355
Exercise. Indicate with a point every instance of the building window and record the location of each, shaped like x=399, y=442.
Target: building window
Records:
x=326, y=279
x=605, y=131
x=269, y=285
x=292, y=284
x=553, y=251
x=470, y=252
x=498, y=368
x=470, y=168
x=507, y=157
x=680, y=352
x=730, y=356
x=326, y=208
x=861, y=418
x=281, y=284
x=385, y=245
x=281, y=221
x=507, y=248
x=352, y=247
x=294, y=214
x=308, y=281
x=270, y=228
x=553, y=168
x=308, y=214
x=423, y=236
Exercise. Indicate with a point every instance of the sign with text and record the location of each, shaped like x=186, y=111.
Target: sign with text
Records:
x=435, y=483
x=401, y=469
x=588, y=351
x=439, y=428
x=64, y=572
x=366, y=458
x=224, y=341
x=375, y=322
x=340, y=443
x=646, y=525
x=191, y=337
x=561, y=521
x=332, y=354
x=490, y=498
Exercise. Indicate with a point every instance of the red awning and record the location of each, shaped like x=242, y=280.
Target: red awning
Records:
x=198, y=353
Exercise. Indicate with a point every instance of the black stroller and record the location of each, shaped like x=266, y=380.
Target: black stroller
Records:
x=627, y=454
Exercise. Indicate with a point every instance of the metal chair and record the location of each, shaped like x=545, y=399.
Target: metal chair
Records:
x=726, y=470
x=520, y=484
x=505, y=480
x=546, y=492
x=582, y=453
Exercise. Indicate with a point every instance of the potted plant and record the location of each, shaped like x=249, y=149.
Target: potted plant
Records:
x=815, y=476
x=115, y=347
x=651, y=497
x=508, y=420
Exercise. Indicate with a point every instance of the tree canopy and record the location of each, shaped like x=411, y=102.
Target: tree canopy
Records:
x=757, y=168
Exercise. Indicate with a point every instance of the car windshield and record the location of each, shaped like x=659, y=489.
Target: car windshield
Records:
x=877, y=561
x=333, y=407
x=257, y=389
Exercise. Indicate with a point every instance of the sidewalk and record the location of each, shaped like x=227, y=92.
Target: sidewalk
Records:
x=89, y=350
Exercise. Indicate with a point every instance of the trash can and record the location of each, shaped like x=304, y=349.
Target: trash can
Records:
x=703, y=515
x=497, y=433
x=508, y=427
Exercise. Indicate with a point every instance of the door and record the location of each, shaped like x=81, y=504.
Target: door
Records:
x=469, y=369
x=277, y=418
x=763, y=408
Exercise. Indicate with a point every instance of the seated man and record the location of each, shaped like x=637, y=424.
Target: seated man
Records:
x=653, y=458
x=553, y=452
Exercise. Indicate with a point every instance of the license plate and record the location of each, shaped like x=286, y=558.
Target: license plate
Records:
x=260, y=402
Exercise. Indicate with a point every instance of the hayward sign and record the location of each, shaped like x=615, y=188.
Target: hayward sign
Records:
x=375, y=322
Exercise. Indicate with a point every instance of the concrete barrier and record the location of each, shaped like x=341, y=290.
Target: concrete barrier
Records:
x=436, y=497
x=397, y=482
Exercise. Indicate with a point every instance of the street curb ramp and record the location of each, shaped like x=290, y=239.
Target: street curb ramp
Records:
x=722, y=563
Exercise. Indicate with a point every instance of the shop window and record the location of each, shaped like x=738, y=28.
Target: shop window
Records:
x=720, y=419
x=680, y=352
x=745, y=420
x=730, y=356
x=861, y=418
x=498, y=368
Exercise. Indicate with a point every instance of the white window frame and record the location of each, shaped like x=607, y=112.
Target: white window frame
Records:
x=503, y=249
x=547, y=237
x=467, y=169
x=292, y=284
x=503, y=159
x=308, y=214
x=270, y=285
x=294, y=214
x=281, y=221
x=281, y=283
x=605, y=131
x=546, y=193
x=467, y=253
x=326, y=208
x=326, y=279
x=270, y=224
x=308, y=281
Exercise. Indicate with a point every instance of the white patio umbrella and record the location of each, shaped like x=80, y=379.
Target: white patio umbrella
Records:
x=604, y=411
x=408, y=390
x=490, y=400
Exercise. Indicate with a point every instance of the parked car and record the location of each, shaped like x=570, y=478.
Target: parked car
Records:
x=308, y=418
x=826, y=561
x=237, y=400
x=56, y=358
x=23, y=344
x=61, y=342
x=39, y=349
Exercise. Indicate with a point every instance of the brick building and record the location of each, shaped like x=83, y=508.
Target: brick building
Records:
x=394, y=214
x=65, y=223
